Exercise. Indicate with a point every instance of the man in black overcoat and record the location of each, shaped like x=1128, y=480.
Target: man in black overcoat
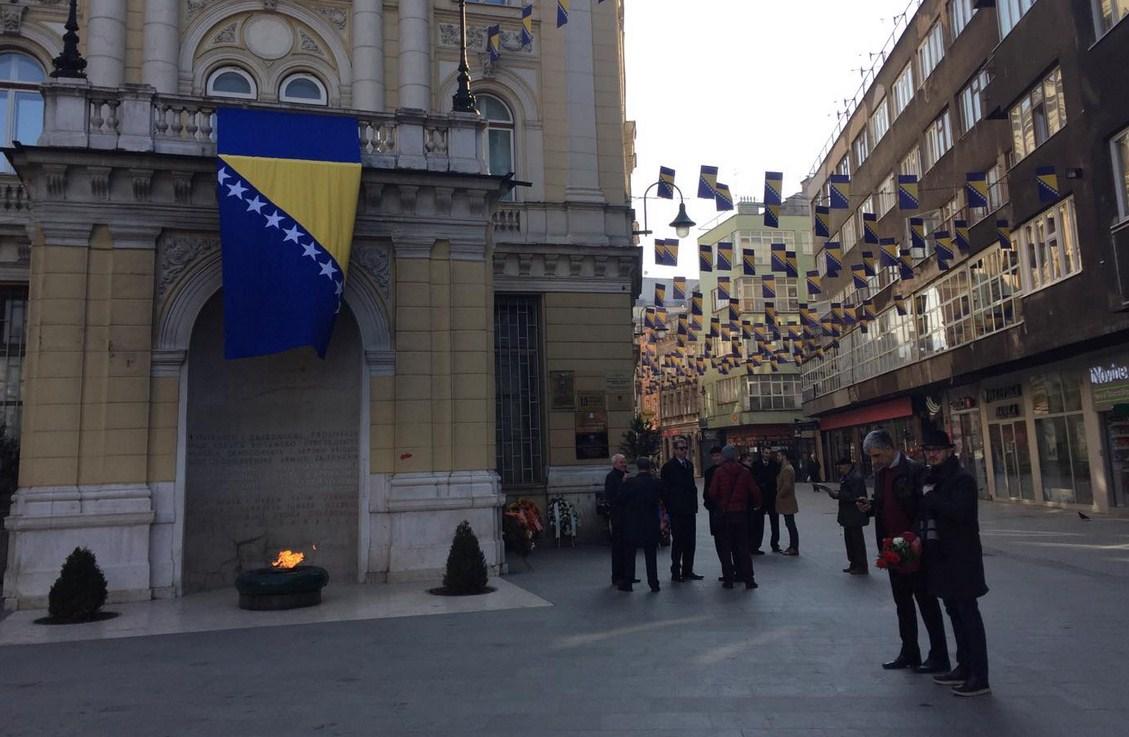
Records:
x=716, y=517
x=956, y=561
x=765, y=470
x=641, y=496
x=851, y=489
x=613, y=487
x=680, y=497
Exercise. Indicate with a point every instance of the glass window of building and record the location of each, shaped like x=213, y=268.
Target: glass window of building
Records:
x=996, y=291
x=1063, y=453
x=911, y=164
x=13, y=338
x=773, y=392
x=1038, y=116
x=21, y=104
x=1108, y=13
x=971, y=105
x=1048, y=246
x=938, y=139
x=860, y=147
x=903, y=89
x=499, y=136
x=1121, y=170
x=232, y=82
x=844, y=166
x=1010, y=12
x=879, y=122
x=960, y=13
x=931, y=51
x=304, y=89
x=886, y=196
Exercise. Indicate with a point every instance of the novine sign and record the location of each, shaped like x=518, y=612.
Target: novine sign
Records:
x=1101, y=375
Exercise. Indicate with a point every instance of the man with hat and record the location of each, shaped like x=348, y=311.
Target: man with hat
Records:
x=852, y=487
x=956, y=561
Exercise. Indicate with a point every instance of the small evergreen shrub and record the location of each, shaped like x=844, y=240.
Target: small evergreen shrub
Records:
x=466, y=565
x=80, y=590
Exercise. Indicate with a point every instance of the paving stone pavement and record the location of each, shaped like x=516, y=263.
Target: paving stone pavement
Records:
x=798, y=657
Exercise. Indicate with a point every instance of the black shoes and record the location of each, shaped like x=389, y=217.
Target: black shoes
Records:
x=727, y=585
x=758, y=552
x=751, y=585
x=972, y=688
x=655, y=588
x=931, y=666
x=676, y=579
x=625, y=587
x=857, y=571
x=901, y=663
x=955, y=677
x=692, y=577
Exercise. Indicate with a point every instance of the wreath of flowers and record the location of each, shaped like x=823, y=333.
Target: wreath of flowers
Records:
x=900, y=554
x=563, y=517
x=521, y=525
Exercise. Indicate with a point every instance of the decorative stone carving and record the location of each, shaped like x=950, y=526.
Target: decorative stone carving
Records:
x=176, y=252
x=450, y=37
x=309, y=44
x=226, y=35
x=377, y=262
x=336, y=16
x=56, y=177
x=142, y=178
x=182, y=187
x=195, y=7
x=268, y=37
x=99, y=181
x=556, y=270
x=11, y=16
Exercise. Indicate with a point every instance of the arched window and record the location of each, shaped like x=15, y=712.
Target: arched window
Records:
x=232, y=82
x=21, y=104
x=499, y=136
x=304, y=89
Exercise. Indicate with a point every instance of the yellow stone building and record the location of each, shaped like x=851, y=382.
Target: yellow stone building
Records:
x=485, y=351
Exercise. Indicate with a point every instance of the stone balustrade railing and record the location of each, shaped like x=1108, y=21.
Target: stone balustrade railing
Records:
x=13, y=194
x=135, y=118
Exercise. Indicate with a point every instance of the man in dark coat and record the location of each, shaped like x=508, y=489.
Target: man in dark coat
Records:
x=814, y=469
x=680, y=497
x=734, y=493
x=641, y=496
x=896, y=509
x=711, y=508
x=851, y=489
x=613, y=487
x=956, y=561
x=765, y=470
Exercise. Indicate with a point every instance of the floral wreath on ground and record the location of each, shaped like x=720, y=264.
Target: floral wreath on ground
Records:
x=521, y=525
x=563, y=517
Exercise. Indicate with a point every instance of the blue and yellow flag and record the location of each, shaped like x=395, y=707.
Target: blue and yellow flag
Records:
x=287, y=190
x=815, y=283
x=672, y=251
x=562, y=12
x=724, y=256
x=917, y=234
x=960, y=236
x=660, y=318
x=707, y=183
x=870, y=228
x=858, y=275
x=822, y=221
x=870, y=261
x=705, y=257
x=908, y=192
x=900, y=305
x=768, y=286
x=943, y=245
x=1047, y=179
x=723, y=288
x=888, y=253
x=772, y=216
x=840, y=189
x=905, y=265
x=666, y=183
x=696, y=304
x=494, y=42
x=791, y=266
x=833, y=256
x=747, y=330
x=661, y=256
x=773, y=187
x=723, y=197
x=976, y=189
x=679, y=289
x=527, y=24
x=1003, y=234
x=734, y=313
x=749, y=262
x=649, y=318
x=779, y=257
x=770, y=316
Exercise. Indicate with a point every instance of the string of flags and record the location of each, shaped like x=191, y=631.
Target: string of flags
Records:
x=494, y=32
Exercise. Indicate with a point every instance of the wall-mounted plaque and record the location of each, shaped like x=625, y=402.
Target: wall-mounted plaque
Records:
x=621, y=392
x=562, y=388
x=591, y=426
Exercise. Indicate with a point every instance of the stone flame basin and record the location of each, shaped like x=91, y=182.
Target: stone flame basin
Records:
x=271, y=589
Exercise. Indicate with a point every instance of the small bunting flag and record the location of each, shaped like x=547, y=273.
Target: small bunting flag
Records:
x=724, y=256
x=707, y=183
x=1003, y=234
x=773, y=188
x=870, y=228
x=976, y=189
x=815, y=283
x=1047, y=179
x=768, y=286
x=723, y=198
x=779, y=257
x=917, y=234
x=840, y=188
x=562, y=12
x=822, y=221
x=705, y=257
x=666, y=183
x=723, y=289
x=749, y=262
x=960, y=236
x=908, y=196
x=888, y=254
x=679, y=289
x=527, y=25
x=772, y=216
x=494, y=42
x=660, y=294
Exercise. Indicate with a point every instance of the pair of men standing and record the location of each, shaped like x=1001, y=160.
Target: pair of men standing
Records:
x=940, y=502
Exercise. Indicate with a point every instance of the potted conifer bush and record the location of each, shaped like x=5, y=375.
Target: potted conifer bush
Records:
x=79, y=592
x=466, y=572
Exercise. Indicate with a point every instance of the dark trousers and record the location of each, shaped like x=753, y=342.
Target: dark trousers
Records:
x=733, y=547
x=618, y=551
x=908, y=588
x=683, y=540
x=793, y=532
x=972, y=642
x=717, y=522
x=768, y=509
x=856, y=547
x=650, y=555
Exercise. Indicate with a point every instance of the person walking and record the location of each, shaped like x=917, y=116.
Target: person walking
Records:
x=814, y=469
x=716, y=517
x=613, y=493
x=765, y=471
x=786, y=502
x=641, y=496
x=896, y=509
x=734, y=491
x=680, y=497
x=956, y=561
x=852, y=488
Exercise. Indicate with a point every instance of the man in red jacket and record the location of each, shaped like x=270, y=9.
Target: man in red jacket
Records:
x=734, y=493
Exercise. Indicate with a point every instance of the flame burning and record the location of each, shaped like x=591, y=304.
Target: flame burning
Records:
x=288, y=559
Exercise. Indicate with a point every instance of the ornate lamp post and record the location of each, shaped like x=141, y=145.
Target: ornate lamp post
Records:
x=681, y=224
x=463, y=101
x=70, y=63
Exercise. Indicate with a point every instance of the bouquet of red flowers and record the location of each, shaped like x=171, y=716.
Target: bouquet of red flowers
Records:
x=901, y=554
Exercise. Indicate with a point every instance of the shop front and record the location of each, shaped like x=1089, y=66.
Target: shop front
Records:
x=1010, y=449
x=962, y=420
x=1109, y=391
x=841, y=434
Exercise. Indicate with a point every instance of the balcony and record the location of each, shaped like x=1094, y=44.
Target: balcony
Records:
x=135, y=118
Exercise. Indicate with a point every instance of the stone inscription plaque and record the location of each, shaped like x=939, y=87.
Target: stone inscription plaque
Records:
x=272, y=456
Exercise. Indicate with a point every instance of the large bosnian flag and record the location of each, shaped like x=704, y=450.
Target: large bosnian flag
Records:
x=287, y=190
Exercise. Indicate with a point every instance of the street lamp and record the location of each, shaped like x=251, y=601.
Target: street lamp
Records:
x=681, y=224
x=463, y=101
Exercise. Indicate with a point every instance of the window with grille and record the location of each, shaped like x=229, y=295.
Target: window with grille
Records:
x=519, y=404
x=13, y=337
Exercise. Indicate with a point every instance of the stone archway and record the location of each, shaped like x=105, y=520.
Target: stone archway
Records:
x=272, y=455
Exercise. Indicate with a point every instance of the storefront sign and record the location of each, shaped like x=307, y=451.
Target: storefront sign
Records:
x=591, y=426
x=1112, y=374
x=1008, y=411
x=1003, y=393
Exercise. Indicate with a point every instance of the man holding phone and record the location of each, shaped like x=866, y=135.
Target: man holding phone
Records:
x=852, y=489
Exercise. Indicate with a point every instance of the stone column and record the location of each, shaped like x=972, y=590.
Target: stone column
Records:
x=368, y=54
x=415, y=54
x=159, y=67
x=580, y=91
x=105, y=43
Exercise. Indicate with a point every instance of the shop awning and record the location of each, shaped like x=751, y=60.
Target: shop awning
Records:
x=869, y=415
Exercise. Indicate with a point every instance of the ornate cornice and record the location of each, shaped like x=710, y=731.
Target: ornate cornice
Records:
x=565, y=269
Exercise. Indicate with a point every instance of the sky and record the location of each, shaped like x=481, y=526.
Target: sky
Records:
x=745, y=85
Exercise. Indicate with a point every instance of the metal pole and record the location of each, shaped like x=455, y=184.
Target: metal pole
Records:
x=463, y=101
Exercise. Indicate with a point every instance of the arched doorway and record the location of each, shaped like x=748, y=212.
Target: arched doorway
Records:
x=271, y=455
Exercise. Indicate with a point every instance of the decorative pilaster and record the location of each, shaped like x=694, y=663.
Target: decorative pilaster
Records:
x=105, y=42
x=159, y=67
x=368, y=55
x=415, y=54
x=580, y=92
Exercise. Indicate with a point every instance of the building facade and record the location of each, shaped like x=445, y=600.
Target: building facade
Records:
x=1006, y=323
x=466, y=297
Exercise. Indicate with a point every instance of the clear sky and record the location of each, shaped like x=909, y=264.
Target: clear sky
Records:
x=744, y=85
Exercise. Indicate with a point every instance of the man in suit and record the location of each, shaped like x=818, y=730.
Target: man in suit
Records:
x=956, y=561
x=711, y=508
x=896, y=508
x=765, y=470
x=641, y=523
x=680, y=496
x=613, y=487
x=852, y=488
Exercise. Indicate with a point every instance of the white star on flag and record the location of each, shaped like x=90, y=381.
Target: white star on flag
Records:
x=223, y=176
x=340, y=287
x=236, y=190
x=274, y=220
x=310, y=250
x=328, y=270
x=256, y=205
x=293, y=234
